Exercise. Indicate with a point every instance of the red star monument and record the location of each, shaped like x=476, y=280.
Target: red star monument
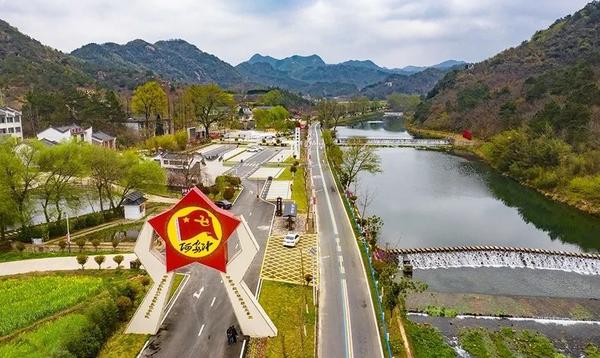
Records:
x=195, y=230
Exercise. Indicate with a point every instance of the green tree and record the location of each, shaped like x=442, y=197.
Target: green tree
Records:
x=137, y=174
x=19, y=173
x=60, y=164
x=403, y=102
x=272, y=98
x=104, y=170
x=329, y=113
x=149, y=100
x=81, y=260
x=8, y=209
x=356, y=158
x=210, y=104
x=99, y=260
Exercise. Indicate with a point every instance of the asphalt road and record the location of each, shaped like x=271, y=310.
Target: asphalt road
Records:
x=197, y=323
x=347, y=321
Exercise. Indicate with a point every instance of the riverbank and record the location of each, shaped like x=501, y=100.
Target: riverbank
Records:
x=359, y=118
x=472, y=148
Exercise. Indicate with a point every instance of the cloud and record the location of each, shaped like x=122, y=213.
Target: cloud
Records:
x=392, y=33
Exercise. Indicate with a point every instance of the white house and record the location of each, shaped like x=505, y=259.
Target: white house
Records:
x=178, y=161
x=134, y=206
x=66, y=133
x=10, y=122
x=55, y=135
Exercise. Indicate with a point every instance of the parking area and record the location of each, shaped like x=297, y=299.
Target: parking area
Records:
x=290, y=264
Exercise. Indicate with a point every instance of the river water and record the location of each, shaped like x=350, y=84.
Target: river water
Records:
x=429, y=198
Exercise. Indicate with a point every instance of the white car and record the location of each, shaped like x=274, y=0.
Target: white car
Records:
x=291, y=239
x=253, y=149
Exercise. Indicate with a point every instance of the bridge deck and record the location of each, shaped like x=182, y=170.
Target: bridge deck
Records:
x=399, y=142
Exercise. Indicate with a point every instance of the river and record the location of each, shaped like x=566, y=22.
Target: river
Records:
x=430, y=198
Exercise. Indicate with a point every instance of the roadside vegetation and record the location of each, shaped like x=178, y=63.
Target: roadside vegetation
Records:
x=507, y=342
x=70, y=314
x=292, y=310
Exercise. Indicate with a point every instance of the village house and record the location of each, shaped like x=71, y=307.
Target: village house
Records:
x=10, y=122
x=55, y=135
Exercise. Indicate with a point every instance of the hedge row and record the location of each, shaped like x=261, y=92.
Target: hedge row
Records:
x=58, y=229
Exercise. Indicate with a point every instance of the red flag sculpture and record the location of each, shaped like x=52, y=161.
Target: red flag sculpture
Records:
x=195, y=230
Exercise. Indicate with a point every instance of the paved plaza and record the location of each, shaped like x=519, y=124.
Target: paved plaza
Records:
x=280, y=188
x=265, y=172
x=290, y=264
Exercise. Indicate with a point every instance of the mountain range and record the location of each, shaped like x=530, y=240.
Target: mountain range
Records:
x=26, y=63
x=312, y=75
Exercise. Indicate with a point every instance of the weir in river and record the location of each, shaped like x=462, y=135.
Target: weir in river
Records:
x=491, y=256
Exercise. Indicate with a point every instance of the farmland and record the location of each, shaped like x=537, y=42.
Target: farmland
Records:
x=25, y=300
x=58, y=314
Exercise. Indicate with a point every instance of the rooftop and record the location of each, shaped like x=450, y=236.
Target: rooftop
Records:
x=102, y=136
x=134, y=198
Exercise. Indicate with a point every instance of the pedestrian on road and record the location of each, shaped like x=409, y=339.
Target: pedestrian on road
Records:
x=234, y=334
x=229, y=336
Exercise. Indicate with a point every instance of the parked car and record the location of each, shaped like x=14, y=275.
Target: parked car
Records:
x=291, y=239
x=224, y=204
x=253, y=149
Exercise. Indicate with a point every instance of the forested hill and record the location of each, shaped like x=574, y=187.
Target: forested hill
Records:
x=417, y=83
x=550, y=83
x=175, y=60
x=538, y=107
x=25, y=62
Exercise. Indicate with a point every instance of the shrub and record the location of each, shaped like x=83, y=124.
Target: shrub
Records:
x=96, y=243
x=81, y=243
x=81, y=260
x=5, y=246
x=145, y=280
x=30, y=232
x=118, y=259
x=62, y=244
x=99, y=260
x=228, y=193
x=115, y=243
x=135, y=264
x=123, y=305
x=20, y=246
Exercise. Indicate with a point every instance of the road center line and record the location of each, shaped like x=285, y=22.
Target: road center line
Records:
x=201, y=329
x=213, y=301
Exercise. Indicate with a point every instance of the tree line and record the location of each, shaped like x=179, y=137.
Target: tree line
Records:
x=52, y=179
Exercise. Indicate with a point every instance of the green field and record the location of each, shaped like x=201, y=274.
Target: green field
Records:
x=24, y=300
x=45, y=340
x=48, y=315
x=290, y=318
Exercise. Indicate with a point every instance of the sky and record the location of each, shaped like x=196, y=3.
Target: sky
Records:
x=392, y=33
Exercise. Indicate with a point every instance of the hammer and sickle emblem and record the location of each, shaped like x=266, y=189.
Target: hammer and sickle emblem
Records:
x=202, y=221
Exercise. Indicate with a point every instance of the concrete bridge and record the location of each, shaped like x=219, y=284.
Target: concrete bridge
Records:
x=497, y=256
x=399, y=142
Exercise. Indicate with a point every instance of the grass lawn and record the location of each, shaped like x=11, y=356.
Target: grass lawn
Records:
x=427, y=342
x=44, y=341
x=176, y=282
x=298, y=187
x=507, y=342
x=284, y=303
